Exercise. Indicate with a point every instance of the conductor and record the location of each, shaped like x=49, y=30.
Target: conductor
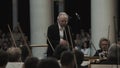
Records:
x=58, y=34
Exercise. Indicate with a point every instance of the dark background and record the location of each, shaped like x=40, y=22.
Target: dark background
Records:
x=5, y=14
x=23, y=15
x=82, y=7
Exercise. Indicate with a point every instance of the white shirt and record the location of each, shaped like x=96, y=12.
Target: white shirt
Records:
x=14, y=65
x=86, y=51
x=61, y=31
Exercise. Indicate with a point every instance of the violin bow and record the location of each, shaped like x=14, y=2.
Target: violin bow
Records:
x=72, y=47
x=116, y=37
x=50, y=44
x=12, y=36
x=67, y=38
x=29, y=50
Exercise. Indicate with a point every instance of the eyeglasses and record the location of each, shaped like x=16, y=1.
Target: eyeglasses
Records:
x=104, y=44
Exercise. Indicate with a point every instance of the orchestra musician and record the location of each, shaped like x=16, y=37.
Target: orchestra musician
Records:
x=102, y=53
x=113, y=55
x=23, y=42
x=104, y=45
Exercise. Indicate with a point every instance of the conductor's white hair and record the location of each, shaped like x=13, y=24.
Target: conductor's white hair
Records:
x=62, y=14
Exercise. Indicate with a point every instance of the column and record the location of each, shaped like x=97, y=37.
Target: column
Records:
x=40, y=19
x=15, y=12
x=61, y=5
x=102, y=21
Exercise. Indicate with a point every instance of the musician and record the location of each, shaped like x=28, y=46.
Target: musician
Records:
x=16, y=35
x=67, y=59
x=85, y=48
x=3, y=58
x=58, y=34
x=14, y=54
x=104, y=45
x=113, y=55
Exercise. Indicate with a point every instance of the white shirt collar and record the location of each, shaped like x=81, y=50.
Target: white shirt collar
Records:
x=60, y=27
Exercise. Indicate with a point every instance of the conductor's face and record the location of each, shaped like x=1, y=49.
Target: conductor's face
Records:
x=62, y=20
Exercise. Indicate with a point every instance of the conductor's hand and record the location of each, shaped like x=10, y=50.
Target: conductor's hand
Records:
x=63, y=42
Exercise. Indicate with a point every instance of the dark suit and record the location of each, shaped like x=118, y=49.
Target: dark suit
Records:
x=97, y=52
x=54, y=37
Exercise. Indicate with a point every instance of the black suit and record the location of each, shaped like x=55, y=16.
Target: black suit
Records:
x=54, y=37
x=97, y=52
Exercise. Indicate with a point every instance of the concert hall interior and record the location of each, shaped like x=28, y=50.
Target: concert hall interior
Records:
x=25, y=23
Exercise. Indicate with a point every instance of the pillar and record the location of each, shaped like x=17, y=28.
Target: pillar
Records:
x=102, y=21
x=40, y=19
x=61, y=5
x=15, y=12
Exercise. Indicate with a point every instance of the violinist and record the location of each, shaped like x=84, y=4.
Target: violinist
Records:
x=23, y=42
x=104, y=45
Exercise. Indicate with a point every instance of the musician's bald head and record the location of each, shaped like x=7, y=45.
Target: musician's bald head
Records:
x=114, y=52
x=14, y=54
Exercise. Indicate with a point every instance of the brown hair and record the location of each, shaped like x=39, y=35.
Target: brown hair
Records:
x=104, y=39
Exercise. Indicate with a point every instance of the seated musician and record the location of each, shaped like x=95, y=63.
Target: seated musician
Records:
x=3, y=58
x=31, y=62
x=58, y=51
x=14, y=54
x=67, y=59
x=113, y=55
x=85, y=48
x=79, y=59
x=104, y=45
